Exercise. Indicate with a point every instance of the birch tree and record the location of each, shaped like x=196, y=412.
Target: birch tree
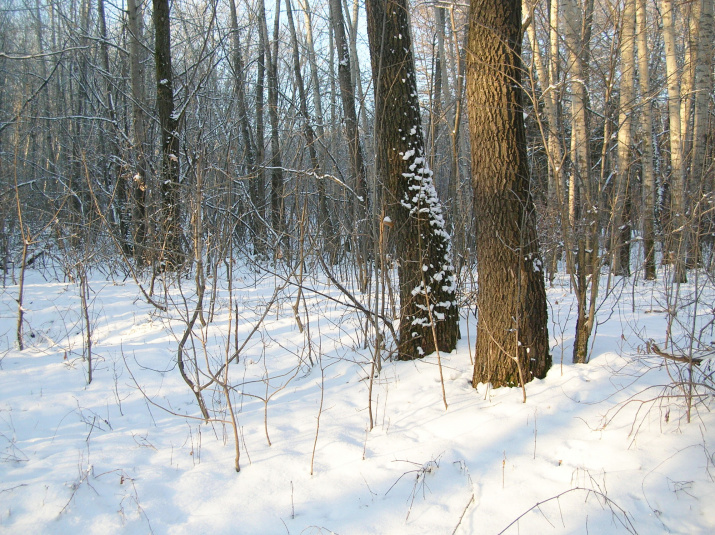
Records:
x=646, y=120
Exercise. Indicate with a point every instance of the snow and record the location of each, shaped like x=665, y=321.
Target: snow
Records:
x=126, y=453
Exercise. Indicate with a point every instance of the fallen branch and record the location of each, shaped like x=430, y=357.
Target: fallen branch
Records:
x=618, y=513
x=653, y=348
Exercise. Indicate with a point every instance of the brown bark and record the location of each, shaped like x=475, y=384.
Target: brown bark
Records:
x=512, y=337
x=255, y=186
x=427, y=281
x=171, y=255
x=276, y=163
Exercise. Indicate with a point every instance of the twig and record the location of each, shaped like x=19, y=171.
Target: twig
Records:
x=471, y=500
x=320, y=411
x=625, y=522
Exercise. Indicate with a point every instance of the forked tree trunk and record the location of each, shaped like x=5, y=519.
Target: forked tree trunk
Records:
x=428, y=308
x=512, y=338
x=582, y=225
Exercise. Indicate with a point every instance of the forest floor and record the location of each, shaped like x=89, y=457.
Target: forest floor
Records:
x=603, y=447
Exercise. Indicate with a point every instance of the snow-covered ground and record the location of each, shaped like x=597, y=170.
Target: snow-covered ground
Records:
x=596, y=448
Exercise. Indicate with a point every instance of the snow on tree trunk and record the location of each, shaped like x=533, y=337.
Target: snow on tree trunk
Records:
x=427, y=280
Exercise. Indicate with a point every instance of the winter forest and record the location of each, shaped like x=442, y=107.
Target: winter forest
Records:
x=357, y=266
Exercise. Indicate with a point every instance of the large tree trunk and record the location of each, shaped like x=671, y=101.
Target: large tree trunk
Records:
x=512, y=338
x=170, y=254
x=428, y=308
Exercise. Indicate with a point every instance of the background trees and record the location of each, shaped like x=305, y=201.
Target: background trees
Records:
x=618, y=132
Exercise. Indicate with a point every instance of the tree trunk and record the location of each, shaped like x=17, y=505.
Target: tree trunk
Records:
x=621, y=231
x=703, y=86
x=648, y=189
x=678, y=239
x=428, y=308
x=357, y=161
x=325, y=223
x=139, y=180
x=512, y=338
x=111, y=171
x=260, y=118
x=254, y=186
x=276, y=164
x=314, y=81
x=583, y=225
x=548, y=73
x=171, y=255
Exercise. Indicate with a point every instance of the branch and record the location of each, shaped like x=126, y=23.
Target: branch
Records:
x=653, y=348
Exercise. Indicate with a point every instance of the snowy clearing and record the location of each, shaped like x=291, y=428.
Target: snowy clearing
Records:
x=596, y=448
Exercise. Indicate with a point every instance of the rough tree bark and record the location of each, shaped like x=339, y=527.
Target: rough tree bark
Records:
x=428, y=308
x=170, y=253
x=512, y=338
